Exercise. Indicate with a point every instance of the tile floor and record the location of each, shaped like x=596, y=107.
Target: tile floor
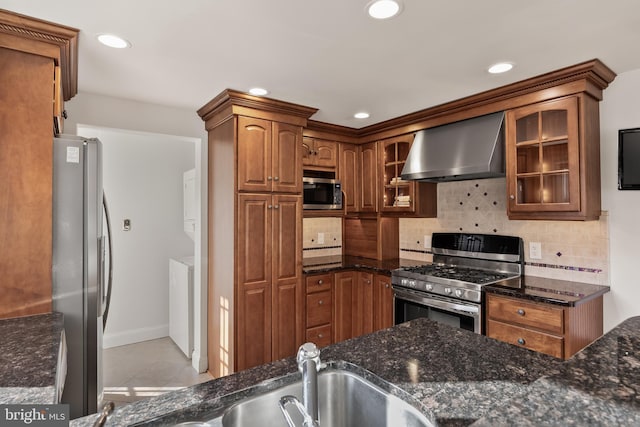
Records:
x=138, y=371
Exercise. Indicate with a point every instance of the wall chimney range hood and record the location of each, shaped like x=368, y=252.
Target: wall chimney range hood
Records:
x=469, y=149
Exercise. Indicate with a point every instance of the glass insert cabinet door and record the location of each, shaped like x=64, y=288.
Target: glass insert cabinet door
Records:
x=543, y=157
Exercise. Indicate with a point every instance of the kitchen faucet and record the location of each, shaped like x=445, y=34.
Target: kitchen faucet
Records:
x=309, y=364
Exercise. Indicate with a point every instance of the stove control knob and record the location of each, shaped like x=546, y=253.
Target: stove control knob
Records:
x=412, y=283
x=428, y=287
x=459, y=293
x=447, y=291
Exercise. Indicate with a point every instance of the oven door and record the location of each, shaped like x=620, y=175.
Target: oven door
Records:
x=409, y=305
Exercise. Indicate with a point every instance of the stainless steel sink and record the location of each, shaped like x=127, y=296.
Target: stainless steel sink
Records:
x=345, y=397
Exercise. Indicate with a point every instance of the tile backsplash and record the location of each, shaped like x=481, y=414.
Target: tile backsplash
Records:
x=571, y=250
x=329, y=229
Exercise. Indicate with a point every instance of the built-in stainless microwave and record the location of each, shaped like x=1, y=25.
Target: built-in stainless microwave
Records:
x=322, y=193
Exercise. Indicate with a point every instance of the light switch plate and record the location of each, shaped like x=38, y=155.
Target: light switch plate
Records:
x=535, y=250
x=126, y=224
x=427, y=241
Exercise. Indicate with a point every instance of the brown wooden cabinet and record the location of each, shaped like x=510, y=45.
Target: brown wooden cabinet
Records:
x=382, y=302
x=256, y=297
x=319, y=154
x=369, y=177
x=396, y=195
x=554, y=330
x=319, y=309
x=268, y=276
x=268, y=154
x=362, y=303
x=38, y=72
x=358, y=174
x=553, y=168
x=345, y=285
x=349, y=175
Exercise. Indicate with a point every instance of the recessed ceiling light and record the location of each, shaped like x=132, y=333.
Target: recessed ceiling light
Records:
x=500, y=67
x=383, y=9
x=361, y=115
x=112, y=40
x=258, y=91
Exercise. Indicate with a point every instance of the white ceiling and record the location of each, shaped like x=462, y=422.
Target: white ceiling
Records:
x=329, y=55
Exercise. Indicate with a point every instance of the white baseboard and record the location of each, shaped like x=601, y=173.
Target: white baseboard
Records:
x=198, y=362
x=133, y=336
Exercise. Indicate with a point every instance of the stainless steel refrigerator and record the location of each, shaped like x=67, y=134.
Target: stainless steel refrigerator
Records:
x=81, y=286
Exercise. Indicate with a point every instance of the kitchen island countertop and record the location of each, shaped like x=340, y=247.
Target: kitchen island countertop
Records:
x=29, y=348
x=460, y=377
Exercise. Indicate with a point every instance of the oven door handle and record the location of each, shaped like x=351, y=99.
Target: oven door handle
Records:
x=437, y=303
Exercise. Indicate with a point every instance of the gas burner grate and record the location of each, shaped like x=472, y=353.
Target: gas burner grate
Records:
x=462, y=274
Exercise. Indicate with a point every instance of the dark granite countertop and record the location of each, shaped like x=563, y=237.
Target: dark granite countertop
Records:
x=457, y=375
x=327, y=264
x=599, y=386
x=461, y=379
x=29, y=349
x=550, y=291
x=540, y=289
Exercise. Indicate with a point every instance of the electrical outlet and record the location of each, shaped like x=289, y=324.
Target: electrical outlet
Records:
x=427, y=241
x=535, y=250
x=321, y=238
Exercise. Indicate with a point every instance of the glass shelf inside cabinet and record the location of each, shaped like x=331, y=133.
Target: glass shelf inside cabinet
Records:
x=542, y=164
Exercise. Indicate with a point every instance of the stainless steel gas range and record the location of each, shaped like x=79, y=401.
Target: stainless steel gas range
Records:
x=449, y=290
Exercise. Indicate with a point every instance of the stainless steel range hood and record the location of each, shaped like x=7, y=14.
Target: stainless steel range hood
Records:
x=469, y=149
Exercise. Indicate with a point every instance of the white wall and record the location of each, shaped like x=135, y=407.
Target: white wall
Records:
x=620, y=109
x=104, y=111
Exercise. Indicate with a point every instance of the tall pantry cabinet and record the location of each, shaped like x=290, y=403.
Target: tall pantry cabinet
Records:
x=256, y=297
x=38, y=72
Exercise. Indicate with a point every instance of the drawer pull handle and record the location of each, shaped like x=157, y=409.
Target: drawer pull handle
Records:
x=320, y=282
x=320, y=336
x=520, y=312
x=320, y=302
x=521, y=341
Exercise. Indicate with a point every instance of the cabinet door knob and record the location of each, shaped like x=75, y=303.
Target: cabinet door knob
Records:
x=386, y=285
x=269, y=206
x=320, y=282
x=276, y=178
x=512, y=197
x=320, y=302
x=521, y=341
x=520, y=312
x=277, y=206
x=269, y=178
x=320, y=335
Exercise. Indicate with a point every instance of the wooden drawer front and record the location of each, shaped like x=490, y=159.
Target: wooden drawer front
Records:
x=319, y=282
x=537, y=316
x=320, y=336
x=536, y=341
x=318, y=308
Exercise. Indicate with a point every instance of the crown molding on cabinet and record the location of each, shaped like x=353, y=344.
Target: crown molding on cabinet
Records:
x=590, y=77
x=32, y=35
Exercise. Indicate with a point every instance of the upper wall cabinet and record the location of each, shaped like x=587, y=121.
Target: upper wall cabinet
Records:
x=358, y=174
x=268, y=156
x=553, y=160
x=399, y=196
x=319, y=154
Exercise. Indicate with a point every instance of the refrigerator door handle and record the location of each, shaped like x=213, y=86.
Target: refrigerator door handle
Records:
x=110, y=275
